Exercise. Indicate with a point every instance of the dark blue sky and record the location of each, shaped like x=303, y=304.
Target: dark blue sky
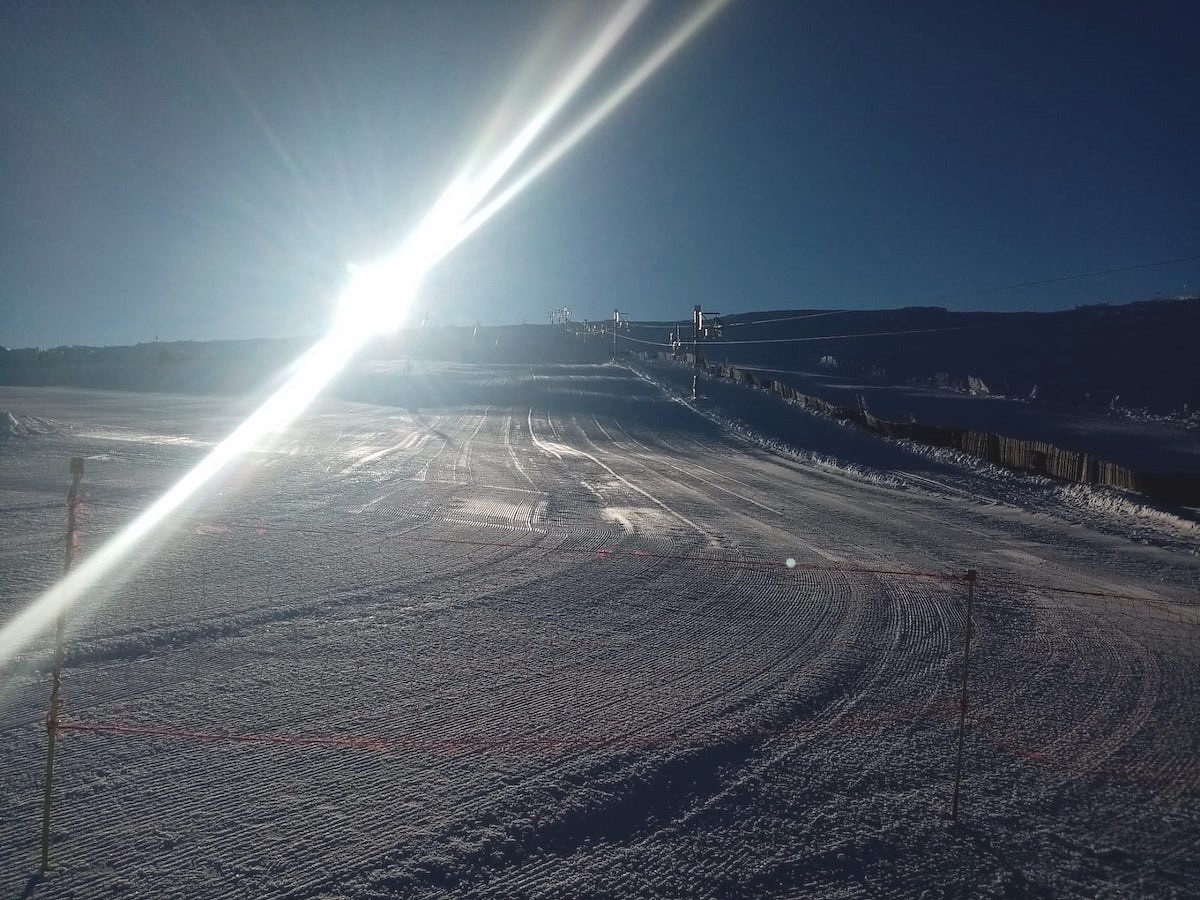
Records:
x=206, y=170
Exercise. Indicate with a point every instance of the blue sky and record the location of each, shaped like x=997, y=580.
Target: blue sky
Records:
x=200, y=171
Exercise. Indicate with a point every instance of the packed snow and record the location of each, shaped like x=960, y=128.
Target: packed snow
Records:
x=12, y=426
x=562, y=631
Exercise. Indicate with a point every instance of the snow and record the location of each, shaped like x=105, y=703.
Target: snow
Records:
x=15, y=427
x=1131, y=438
x=10, y=426
x=560, y=631
x=836, y=446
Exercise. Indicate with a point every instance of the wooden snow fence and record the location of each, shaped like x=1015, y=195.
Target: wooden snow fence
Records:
x=1036, y=457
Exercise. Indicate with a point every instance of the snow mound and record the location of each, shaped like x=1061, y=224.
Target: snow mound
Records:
x=1115, y=502
x=12, y=426
x=1102, y=509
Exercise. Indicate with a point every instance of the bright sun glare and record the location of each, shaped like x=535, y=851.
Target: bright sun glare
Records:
x=378, y=296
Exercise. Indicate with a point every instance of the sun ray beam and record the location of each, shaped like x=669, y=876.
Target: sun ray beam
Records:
x=601, y=111
x=375, y=298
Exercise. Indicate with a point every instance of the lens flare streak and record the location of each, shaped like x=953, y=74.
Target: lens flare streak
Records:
x=375, y=299
x=601, y=111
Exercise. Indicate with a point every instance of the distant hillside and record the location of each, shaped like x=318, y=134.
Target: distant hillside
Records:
x=1143, y=353
x=231, y=367
x=217, y=367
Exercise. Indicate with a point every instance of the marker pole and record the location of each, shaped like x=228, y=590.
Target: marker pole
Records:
x=56, y=683
x=962, y=704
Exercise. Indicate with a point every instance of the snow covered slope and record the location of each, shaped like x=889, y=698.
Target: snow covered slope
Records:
x=552, y=631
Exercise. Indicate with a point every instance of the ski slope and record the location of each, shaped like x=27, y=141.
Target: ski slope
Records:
x=560, y=632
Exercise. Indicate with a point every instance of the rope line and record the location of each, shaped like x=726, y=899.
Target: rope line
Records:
x=936, y=716
x=985, y=579
x=477, y=743
x=262, y=528
x=1106, y=595
x=604, y=552
x=455, y=743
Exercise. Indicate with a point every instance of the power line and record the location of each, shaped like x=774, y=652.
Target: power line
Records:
x=1055, y=280
x=626, y=337
x=828, y=337
x=836, y=337
x=975, y=293
x=1004, y=287
x=834, y=312
x=650, y=323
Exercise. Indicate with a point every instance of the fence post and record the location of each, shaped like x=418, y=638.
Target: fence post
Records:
x=962, y=705
x=56, y=678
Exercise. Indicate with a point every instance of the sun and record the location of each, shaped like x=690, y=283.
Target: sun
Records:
x=376, y=299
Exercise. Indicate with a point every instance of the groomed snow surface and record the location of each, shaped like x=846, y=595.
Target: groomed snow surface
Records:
x=532, y=632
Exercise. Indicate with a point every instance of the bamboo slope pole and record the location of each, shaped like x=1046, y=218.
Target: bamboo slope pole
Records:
x=962, y=705
x=56, y=678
